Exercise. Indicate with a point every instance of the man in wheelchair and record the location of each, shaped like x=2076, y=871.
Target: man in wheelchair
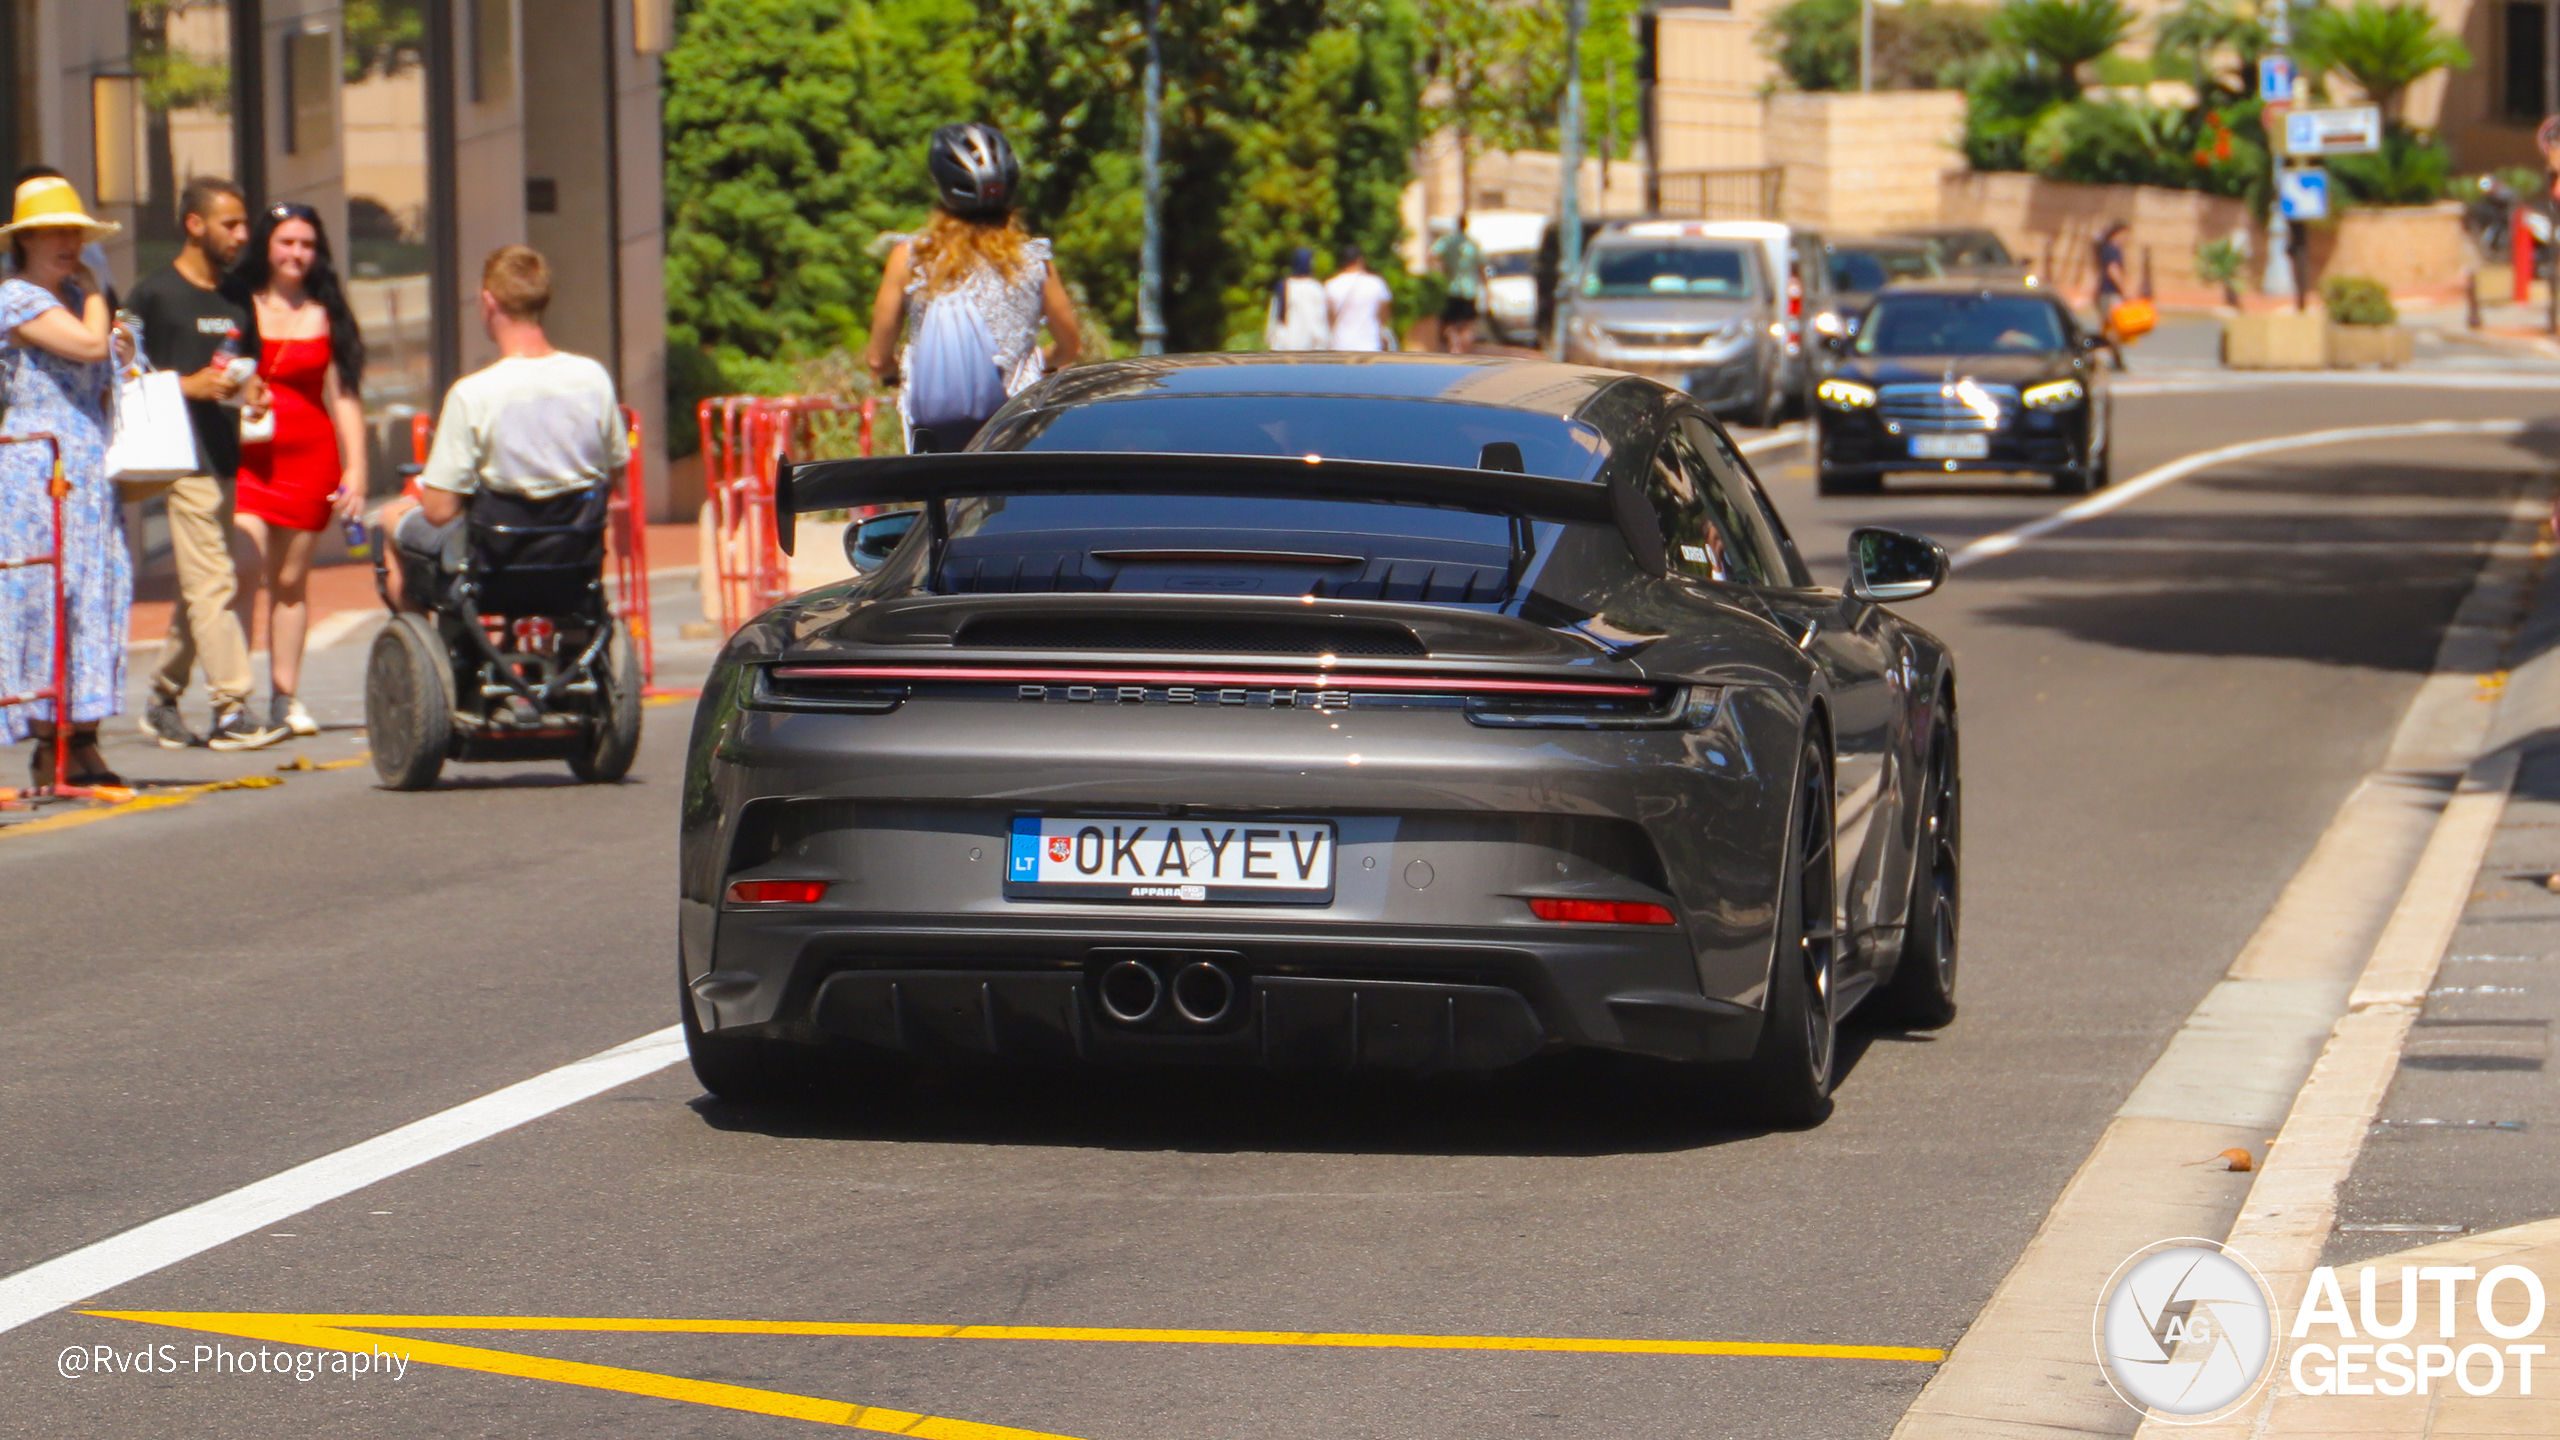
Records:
x=502, y=644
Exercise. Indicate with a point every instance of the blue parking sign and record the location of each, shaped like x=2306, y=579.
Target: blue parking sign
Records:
x=2275, y=78
x=2304, y=194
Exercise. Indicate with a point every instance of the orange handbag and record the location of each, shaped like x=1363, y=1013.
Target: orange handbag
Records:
x=2133, y=319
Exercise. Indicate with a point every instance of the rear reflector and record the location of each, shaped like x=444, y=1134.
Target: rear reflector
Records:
x=777, y=892
x=1600, y=912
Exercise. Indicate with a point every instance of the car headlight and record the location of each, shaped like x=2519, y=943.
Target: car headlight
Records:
x=1845, y=394
x=2059, y=395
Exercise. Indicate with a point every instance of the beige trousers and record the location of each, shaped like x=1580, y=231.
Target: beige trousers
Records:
x=202, y=626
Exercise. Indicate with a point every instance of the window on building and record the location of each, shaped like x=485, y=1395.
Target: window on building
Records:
x=383, y=98
x=2524, y=97
x=182, y=52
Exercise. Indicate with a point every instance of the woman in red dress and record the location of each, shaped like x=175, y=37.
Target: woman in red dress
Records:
x=311, y=359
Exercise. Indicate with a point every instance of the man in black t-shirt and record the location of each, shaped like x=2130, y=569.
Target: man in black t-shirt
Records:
x=188, y=326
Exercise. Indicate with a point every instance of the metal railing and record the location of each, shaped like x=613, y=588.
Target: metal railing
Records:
x=1739, y=194
x=59, y=692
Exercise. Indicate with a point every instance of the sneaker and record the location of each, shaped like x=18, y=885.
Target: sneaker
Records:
x=287, y=711
x=234, y=730
x=163, y=723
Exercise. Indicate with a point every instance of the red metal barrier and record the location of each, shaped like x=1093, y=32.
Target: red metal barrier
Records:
x=626, y=537
x=2520, y=250
x=743, y=437
x=59, y=692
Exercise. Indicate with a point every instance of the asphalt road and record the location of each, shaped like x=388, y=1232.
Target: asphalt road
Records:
x=2163, y=707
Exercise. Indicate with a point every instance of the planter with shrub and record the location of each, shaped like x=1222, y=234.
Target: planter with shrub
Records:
x=2364, y=327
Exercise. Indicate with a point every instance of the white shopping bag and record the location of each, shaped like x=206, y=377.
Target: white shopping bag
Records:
x=154, y=441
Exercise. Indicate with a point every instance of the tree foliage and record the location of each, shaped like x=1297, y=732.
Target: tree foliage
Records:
x=1919, y=45
x=2384, y=48
x=2062, y=34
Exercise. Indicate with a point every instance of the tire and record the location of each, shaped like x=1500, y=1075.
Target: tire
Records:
x=2073, y=482
x=2102, y=471
x=1921, y=995
x=610, y=747
x=1841, y=482
x=408, y=703
x=1789, y=1074
x=1773, y=404
x=739, y=1069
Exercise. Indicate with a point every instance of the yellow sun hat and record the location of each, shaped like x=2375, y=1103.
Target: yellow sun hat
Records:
x=49, y=202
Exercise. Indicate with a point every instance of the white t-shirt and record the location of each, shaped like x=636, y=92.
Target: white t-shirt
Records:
x=535, y=428
x=1357, y=301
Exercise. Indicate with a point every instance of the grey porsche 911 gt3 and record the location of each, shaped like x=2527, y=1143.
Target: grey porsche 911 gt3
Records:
x=1413, y=712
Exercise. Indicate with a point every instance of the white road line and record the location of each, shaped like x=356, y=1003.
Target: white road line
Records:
x=1791, y=433
x=42, y=1289
x=2117, y=496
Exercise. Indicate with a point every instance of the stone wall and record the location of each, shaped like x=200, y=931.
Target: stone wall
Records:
x=1859, y=164
x=2417, y=252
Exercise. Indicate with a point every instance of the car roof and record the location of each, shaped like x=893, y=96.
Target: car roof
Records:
x=1536, y=387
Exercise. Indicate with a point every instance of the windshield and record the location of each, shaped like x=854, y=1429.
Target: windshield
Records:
x=1971, y=247
x=1722, y=271
x=1511, y=262
x=1908, y=324
x=1341, y=427
x=1875, y=269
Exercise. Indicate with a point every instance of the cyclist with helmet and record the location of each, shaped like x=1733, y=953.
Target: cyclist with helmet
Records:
x=966, y=293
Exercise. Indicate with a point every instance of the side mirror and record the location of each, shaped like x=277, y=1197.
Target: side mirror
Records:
x=867, y=543
x=1887, y=565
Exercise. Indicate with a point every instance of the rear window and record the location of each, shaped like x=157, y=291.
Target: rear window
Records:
x=1338, y=427
x=1511, y=262
x=1723, y=271
x=1875, y=269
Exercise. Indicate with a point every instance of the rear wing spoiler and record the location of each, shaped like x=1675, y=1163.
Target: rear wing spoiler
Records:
x=932, y=479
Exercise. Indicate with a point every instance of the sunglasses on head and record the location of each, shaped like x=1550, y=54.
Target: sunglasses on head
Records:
x=289, y=210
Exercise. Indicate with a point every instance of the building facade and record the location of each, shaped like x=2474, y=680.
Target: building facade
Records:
x=426, y=133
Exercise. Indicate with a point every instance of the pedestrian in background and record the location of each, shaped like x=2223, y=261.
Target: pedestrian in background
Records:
x=968, y=295
x=2111, y=285
x=311, y=358
x=1356, y=304
x=1461, y=262
x=1298, y=318
x=56, y=344
x=190, y=326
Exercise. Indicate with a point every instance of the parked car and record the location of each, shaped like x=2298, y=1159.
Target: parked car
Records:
x=1970, y=252
x=1699, y=314
x=1955, y=375
x=1484, y=711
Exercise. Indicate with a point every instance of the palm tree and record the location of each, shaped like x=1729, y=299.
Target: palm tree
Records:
x=2385, y=49
x=2065, y=33
x=2204, y=31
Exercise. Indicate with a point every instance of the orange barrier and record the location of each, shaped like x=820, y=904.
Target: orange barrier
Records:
x=626, y=537
x=743, y=438
x=59, y=692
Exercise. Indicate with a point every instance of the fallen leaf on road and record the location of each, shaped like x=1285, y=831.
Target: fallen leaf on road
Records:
x=2236, y=1159
x=298, y=762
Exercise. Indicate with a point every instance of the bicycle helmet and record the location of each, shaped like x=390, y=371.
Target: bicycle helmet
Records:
x=974, y=172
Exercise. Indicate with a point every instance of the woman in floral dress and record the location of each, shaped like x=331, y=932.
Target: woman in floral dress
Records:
x=54, y=349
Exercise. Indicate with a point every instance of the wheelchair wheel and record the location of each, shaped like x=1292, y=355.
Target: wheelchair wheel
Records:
x=408, y=710
x=614, y=739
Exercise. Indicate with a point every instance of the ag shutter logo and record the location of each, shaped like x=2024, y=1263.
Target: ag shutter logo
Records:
x=2185, y=1330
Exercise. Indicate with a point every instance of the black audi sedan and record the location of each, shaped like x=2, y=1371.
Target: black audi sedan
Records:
x=1957, y=375
x=1330, y=712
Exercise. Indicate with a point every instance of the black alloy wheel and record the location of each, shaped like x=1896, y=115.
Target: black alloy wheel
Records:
x=1790, y=1073
x=1922, y=993
x=605, y=754
x=408, y=704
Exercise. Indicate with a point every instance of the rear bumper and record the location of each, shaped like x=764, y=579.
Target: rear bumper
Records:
x=1380, y=997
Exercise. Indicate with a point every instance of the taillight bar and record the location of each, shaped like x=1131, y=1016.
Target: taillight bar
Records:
x=1212, y=679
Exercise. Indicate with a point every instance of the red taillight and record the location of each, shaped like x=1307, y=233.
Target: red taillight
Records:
x=1795, y=297
x=1600, y=912
x=777, y=892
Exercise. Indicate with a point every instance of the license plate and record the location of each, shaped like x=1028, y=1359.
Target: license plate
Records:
x=1208, y=862
x=1950, y=447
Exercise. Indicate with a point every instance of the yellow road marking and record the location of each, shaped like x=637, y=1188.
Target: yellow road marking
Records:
x=305, y=762
x=1087, y=1334
x=137, y=805
x=302, y=1330
x=670, y=697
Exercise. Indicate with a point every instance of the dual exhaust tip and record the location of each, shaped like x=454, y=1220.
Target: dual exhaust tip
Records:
x=1201, y=992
